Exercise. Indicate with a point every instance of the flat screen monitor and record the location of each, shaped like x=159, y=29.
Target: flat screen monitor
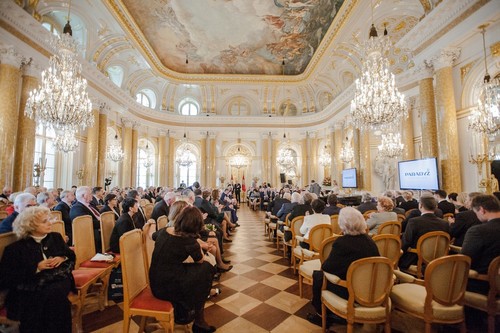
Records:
x=349, y=179
x=419, y=174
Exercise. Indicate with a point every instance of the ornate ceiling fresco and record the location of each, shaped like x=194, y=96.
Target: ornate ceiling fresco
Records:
x=234, y=37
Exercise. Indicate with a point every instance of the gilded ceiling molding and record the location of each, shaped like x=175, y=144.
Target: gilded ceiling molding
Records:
x=495, y=49
x=103, y=64
x=107, y=42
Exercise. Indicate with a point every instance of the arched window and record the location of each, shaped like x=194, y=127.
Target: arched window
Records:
x=147, y=98
x=50, y=27
x=146, y=163
x=45, y=154
x=186, y=160
x=189, y=107
x=115, y=74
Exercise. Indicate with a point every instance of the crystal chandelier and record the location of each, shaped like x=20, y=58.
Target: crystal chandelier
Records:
x=115, y=152
x=184, y=157
x=346, y=153
x=239, y=160
x=391, y=146
x=485, y=118
x=61, y=101
x=148, y=161
x=66, y=141
x=286, y=159
x=377, y=102
x=325, y=158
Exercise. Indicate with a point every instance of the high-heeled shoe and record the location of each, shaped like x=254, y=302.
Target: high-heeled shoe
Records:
x=224, y=270
x=199, y=329
x=226, y=261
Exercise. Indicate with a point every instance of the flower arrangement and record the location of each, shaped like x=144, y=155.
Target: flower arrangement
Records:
x=327, y=181
x=210, y=227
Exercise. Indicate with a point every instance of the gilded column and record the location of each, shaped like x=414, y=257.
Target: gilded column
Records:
x=127, y=149
x=331, y=146
x=25, y=146
x=274, y=165
x=407, y=135
x=203, y=158
x=265, y=155
x=135, y=147
x=304, y=154
x=101, y=151
x=338, y=140
x=171, y=161
x=92, y=149
x=10, y=76
x=211, y=179
x=447, y=118
x=428, y=116
x=163, y=143
x=271, y=157
x=364, y=161
x=357, y=153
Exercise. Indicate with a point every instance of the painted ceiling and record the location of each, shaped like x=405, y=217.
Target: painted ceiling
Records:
x=234, y=36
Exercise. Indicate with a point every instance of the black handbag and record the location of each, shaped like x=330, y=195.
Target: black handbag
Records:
x=59, y=273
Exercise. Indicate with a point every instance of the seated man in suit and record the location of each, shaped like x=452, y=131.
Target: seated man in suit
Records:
x=366, y=203
x=82, y=207
x=417, y=227
x=302, y=209
x=162, y=207
x=22, y=201
x=97, y=197
x=332, y=208
x=443, y=204
x=295, y=199
x=67, y=197
x=482, y=242
x=409, y=201
x=463, y=221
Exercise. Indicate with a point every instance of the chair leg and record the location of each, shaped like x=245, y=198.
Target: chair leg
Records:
x=350, y=327
x=387, y=326
x=142, y=324
x=491, y=323
x=301, y=280
x=126, y=323
x=428, y=327
x=463, y=328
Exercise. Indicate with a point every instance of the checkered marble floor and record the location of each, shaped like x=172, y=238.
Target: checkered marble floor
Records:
x=259, y=295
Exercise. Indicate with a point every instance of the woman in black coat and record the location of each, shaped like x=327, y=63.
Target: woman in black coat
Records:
x=111, y=205
x=124, y=224
x=36, y=270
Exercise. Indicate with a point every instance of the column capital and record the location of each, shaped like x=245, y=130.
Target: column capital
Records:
x=128, y=123
x=30, y=68
x=424, y=70
x=445, y=58
x=104, y=108
x=339, y=125
x=9, y=56
x=163, y=133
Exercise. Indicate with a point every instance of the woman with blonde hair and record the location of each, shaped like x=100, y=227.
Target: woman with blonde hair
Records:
x=384, y=213
x=36, y=270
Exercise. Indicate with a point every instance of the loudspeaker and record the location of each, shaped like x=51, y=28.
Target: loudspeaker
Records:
x=290, y=182
x=282, y=178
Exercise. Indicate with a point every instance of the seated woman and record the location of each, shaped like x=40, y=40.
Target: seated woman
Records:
x=124, y=224
x=353, y=245
x=36, y=270
x=313, y=220
x=111, y=205
x=254, y=199
x=384, y=213
x=186, y=285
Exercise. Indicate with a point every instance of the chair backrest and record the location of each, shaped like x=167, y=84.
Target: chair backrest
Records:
x=390, y=227
x=148, y=210
x=144, y=202
x=369, y=281
x=148, y=230
x=58, y=226
x=494, y=279
x=401, y=218
x=133, y=261
x=448, y=215
x=55, y=215
x=83, y=238
x=432, y=245
x=295, y=225
x=389, y=246
x=366, y=214
x=107, y=225
x=162, y=222
x=5, y=240
x=318, y=234
x=446, y=279
x=326, y=247
x=3, y=215
x=334, y=220
x=407, y=213
x=287, y=220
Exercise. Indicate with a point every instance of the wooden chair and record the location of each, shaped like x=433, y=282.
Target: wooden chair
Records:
x=366, y=214
x=271, y=224
x=144, y=202
x=107, y=225
x=401, y=218
x=5, y=240
x=147, y=231
x=3, y=215
x=447, y=216
x=390, y=227
x=389, y=246
x=440, y=297
x=148, y=210
x=369, y=281
x=334, y=219
x=295, y=225
x=255, y=205
x=55, y=215
x=58, y=226
x=307, y=268
x=316, y=236
x=138, y=298
x=432, y=245
x=407, y=213
x=162, y=222
x=488, y=303
x=280, y=235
